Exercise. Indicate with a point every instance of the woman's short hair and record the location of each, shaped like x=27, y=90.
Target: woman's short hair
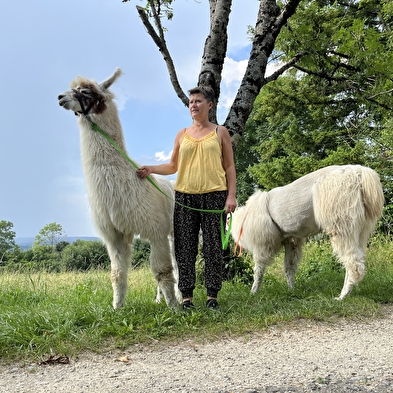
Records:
x=207, y=92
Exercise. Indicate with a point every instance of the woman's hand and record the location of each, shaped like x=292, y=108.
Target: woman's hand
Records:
x=230, y=204
x=143, y=172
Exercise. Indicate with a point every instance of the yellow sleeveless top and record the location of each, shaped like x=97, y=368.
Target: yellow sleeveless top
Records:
x=200, y=167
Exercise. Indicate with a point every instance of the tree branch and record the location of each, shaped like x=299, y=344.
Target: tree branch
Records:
x=284, y=68
x=215, y=49
x=380, y=93
x=159, y=40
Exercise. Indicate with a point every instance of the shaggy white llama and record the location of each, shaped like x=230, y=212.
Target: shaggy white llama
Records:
x=343, y=201
x=122, y=205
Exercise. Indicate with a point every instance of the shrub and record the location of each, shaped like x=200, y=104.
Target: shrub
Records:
x=140, y=253
x=84, y=255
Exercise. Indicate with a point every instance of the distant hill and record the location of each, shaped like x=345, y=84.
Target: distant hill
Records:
x=25, y=242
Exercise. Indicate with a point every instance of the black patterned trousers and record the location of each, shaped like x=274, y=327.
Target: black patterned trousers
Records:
x=187, y=224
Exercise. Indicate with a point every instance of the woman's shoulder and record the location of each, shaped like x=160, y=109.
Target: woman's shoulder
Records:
x=222, y=131
x=181, y=132
x=179, y=136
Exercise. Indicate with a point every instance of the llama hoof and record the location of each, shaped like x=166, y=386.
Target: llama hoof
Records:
x=174, y=305
x=117, y=305
x=159, y=296
x=179, y=297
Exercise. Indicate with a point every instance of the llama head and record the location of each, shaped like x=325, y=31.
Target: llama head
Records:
x=87, y=96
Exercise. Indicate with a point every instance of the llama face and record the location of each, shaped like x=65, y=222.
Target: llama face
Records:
x=87, y=96
x=83, y=99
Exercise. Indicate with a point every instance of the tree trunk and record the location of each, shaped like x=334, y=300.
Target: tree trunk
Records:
x=269, y=23
x=215, y=49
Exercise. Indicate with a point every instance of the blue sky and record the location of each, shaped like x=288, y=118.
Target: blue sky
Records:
x=44, y=45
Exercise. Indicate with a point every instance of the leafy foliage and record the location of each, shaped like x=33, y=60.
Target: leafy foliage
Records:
x=7, y=237
x=84, y=255
x=140, y=252
x=333, y=107
x=49, y=235
x=51, y=254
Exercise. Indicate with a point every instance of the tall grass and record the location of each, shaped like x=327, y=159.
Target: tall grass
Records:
x=65, y=313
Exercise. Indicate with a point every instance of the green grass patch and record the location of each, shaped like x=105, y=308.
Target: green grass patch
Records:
x=66, y=313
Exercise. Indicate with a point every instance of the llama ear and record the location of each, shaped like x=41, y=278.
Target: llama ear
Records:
x=108, y=82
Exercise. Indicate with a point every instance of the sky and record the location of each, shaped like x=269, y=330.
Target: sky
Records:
x=44, y=45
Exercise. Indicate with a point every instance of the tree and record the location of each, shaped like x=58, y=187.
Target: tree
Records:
x=332, y=42
x=334, y=102
x=271, y=19
x=333, y=106
x=49, y=235
x=7, y=237
x=84, y=255
x=293, y=137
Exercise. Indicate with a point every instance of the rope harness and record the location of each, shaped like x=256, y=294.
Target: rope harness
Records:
x=80, y=96
x=237, y=245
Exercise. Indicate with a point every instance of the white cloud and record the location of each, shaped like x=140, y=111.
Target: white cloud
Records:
x=233, y=71
x=161, y=156
x=273, y=67
x=121, y=97
x=232, y=76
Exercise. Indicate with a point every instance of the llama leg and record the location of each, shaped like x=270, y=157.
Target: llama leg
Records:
x=162, y=267
x=260, y=265
x=259, y=271
x=354, y=259
x=352, y=255
x=178, y=294
x=293, y=254
x=159, y=295
x=347, y=287
x=119, y=253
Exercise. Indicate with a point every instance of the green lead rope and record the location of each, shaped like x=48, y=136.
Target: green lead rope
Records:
x=224, y=236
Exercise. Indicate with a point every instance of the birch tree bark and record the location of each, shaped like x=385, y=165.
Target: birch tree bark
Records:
x=271, y=18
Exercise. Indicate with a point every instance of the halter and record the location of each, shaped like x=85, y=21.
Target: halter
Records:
x=80, y=96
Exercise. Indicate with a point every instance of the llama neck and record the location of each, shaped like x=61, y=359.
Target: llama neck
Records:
x=96, y=150
x=110, y=125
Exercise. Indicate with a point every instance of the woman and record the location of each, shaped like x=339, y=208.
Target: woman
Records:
x=203, y=157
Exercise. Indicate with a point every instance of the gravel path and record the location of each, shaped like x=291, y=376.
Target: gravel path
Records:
x=303, y=357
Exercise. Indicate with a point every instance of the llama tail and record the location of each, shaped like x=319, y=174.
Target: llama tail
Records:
x=348, y=198
x=372, y=192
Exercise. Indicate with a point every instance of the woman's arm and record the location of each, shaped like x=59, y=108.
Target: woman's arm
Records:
x=164, y=169
x=229, y=167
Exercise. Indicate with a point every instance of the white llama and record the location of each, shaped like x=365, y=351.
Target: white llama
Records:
x=344, y=201
x=122, y=205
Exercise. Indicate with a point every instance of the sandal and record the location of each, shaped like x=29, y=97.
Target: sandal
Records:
x=187, y=305
x=212, y=304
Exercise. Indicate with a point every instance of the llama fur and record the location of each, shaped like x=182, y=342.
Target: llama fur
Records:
x=344, y=201
x=122, y=205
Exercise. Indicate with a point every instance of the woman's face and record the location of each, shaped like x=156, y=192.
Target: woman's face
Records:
x=199, y=107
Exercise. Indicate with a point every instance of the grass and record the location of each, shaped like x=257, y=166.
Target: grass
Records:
x=43, y=314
